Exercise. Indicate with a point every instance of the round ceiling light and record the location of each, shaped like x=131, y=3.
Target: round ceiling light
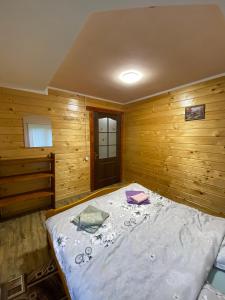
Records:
x=130, y=76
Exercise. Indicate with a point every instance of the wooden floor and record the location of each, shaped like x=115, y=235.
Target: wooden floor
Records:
x=23, y=244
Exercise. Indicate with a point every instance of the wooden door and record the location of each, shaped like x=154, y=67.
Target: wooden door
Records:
x=106, y=149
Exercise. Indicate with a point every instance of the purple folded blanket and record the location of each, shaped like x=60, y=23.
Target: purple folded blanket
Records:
x=132, y=193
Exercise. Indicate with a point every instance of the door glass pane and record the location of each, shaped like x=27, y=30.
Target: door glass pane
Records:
x=112, y=125
x=112, y=151
x=112, y=138
x=102, y=125
x=103, y=152
x=102, y=138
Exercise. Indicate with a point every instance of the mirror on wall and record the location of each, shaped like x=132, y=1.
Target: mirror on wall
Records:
x=37, y=131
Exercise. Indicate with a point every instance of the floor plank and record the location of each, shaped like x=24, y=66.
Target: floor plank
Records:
x=23, y=243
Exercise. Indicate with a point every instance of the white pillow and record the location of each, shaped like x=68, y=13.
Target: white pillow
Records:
x=220, y=260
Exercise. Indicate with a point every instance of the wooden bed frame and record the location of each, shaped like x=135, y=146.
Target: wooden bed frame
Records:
x=99, y=193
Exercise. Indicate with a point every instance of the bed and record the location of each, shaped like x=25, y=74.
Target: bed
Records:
x=163, y=250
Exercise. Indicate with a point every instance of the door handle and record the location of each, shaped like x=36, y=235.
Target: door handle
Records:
x=96, y=155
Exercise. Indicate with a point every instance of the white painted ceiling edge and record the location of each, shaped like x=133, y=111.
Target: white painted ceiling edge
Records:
x=143, y=98
x=177, y=87
x=25, y=89
x=76, y=13
x=83, y=95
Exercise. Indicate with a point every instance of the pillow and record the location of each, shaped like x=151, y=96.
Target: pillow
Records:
x=220, y=260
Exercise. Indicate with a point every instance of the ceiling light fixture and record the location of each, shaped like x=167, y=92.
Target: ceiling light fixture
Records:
x=130, y=76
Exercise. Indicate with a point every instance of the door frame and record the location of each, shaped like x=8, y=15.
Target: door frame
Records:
x=91, y=110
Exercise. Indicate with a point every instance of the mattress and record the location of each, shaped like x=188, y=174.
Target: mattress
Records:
x=75, y=249
x=64, y=233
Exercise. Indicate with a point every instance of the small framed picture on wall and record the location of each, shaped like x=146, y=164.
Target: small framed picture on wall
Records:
x=196, y=112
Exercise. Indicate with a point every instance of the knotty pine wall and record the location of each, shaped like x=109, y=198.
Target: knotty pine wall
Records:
x=182, y=160
x=70, y=123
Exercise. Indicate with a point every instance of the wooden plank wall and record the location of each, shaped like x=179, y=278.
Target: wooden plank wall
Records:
x=70, y=123
x=181, y=160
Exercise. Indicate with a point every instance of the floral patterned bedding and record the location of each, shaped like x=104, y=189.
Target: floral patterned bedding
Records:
x=78, y=252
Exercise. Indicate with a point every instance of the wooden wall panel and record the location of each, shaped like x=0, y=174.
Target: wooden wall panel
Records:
x=70, y=122
x=182, y=160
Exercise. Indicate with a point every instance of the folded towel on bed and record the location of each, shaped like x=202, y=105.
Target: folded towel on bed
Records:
x=139, y=198
x=129, y=195
x=90, y=219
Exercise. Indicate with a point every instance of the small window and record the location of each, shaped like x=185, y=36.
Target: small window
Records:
x=37, y=131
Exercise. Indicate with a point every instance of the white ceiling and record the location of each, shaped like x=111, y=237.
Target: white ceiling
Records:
x=36, y=36
x=170, y=45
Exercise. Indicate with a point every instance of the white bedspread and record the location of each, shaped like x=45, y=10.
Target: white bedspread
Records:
x=165, y=254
